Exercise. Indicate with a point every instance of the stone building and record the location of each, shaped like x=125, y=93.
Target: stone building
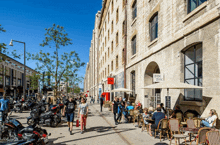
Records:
x=179, y=39
x=12, y=82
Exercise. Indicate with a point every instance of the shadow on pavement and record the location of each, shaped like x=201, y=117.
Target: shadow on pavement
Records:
x=160, y=143
x=99, y=129
x=51, y=141
x=88, y=137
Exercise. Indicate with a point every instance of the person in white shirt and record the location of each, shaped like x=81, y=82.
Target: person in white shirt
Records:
x=208, y=122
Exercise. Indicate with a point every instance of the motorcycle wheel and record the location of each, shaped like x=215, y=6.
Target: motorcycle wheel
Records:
x=53, y=124
x=30, y=121
x=41, y=142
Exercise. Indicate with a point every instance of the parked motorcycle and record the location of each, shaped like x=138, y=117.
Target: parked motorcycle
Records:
x=51, y=118
x=18, y=106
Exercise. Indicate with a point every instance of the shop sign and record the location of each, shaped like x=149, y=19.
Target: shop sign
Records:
x=157, y=78
x=111, y=81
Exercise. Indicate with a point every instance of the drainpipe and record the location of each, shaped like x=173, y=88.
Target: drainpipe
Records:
x=125, y=45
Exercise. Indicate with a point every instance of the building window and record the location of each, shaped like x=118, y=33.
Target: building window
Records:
x=112, y=46
x=123, y=56
x=112, y=26
x=116, y=38
x=112, y=66
x=117, y=16
x=123, y=28
x=105, y=41
x=108, y=70
x=116, y=62
x=193, y=72
x=133, y=45
x=193, y=4
x=14, y=81
x=108, y=52
x=112, y=5
x=7, y=81
x=108, y=35
x=134, y=10
x=105, y=72
x=105, y=57
x=105, y=25
x=133, y=83
x=19, y=82
x=154, y=27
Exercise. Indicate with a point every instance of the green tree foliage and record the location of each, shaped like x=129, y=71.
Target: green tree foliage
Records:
x=34, y=79
x=77, y=90
x=59, y=67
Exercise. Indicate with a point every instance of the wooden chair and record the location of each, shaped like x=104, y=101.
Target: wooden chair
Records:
x=179, y=116
x=214, y=123
x=162, y=127
x=197, y=122
x=201, y=137
x=213, y=138
x=135, y=116
x=188, y=115
x=174, y=128
x=131, y=114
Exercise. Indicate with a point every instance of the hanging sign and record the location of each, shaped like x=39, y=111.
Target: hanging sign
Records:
x=157, y=78
x=111, y=81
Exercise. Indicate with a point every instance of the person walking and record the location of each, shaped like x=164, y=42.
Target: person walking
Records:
x=101, y=102
x=69, y=109
x=5, y=106
x=82, y=113
x=121, y=108
x=115, y=109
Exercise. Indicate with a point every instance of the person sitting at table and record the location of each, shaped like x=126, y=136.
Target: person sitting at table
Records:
x=150, y=111
x=128, y=108
x=177, y=110
x=208, y=122
x=162, y=108
x=145, y=116
x=157, y=116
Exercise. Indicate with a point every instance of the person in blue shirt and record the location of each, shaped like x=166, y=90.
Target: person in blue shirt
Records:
x=128, y=108
x=157, y=116
x=5, y=106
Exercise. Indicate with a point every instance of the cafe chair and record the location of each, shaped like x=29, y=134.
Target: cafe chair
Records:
x=201, y=137
x=162, y=127
x=197, y=122
x=189, y=115
x=131, y=114
x=179, y=116
x=213, y=138
x=175, y=131
x=144, y=126
x=135, y=116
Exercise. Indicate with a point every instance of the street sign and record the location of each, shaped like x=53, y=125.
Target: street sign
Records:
x=157, y=78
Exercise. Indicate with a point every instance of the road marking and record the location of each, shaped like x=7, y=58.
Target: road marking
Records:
x=116, y=130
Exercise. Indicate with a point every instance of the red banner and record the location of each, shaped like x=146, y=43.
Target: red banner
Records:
x=111, y=81
x=87, y=91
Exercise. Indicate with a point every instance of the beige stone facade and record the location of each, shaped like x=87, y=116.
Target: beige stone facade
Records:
x=179, y=30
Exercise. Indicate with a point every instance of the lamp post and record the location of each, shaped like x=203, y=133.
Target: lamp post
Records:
x=24, y=83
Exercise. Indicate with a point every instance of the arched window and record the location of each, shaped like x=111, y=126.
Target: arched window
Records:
x=193, y=72
x=133, y=45
x=133, y=83
x=134, y=10
x=154, y=27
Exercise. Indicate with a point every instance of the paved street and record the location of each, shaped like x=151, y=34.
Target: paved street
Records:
x=100, y=130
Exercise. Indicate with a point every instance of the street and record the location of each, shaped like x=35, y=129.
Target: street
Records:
x=100, y=130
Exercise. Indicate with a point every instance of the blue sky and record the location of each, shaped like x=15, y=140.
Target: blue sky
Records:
x=26, y=20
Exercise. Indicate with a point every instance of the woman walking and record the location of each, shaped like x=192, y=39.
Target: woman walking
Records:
x=83, y=112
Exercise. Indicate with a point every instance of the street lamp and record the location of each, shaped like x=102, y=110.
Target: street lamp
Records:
x=24, y=87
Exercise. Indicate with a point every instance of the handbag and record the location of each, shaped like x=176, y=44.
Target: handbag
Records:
x=77, y=123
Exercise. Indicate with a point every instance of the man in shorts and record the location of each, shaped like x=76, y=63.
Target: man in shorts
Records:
x=69, y=109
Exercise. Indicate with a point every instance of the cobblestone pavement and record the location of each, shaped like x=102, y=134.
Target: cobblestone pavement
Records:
x=100, y=130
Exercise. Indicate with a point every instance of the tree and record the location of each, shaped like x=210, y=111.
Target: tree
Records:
x=77, y=90
x=59, y=67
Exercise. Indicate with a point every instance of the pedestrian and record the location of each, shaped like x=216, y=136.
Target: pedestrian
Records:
x=91, y=99
x=69, y=109
x=115, y=109
x=5, y=106
x=121, y=108
x=98, y=99
x=101, y=102
x=163, y=110
x=82, y=113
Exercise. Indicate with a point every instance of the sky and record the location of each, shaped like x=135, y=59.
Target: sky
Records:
x=26, y=20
